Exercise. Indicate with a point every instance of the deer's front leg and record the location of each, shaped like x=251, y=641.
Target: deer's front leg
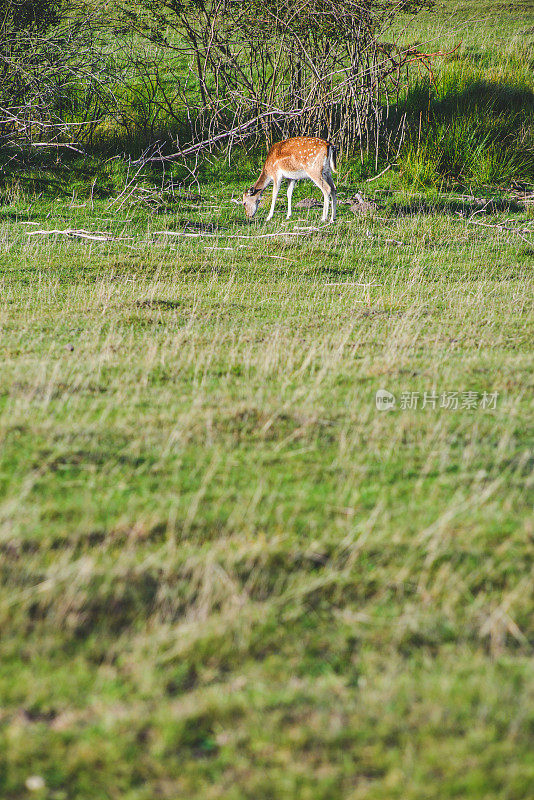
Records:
x=289, y=196
x=276, y=188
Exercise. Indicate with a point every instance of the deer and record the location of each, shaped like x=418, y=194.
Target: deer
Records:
x=296, y=159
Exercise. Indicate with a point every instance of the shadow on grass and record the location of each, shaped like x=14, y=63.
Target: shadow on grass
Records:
x=199, y=227
x=469, y=131
x=463, y=96
x=167, y=305
x=482, y=206
x=332, y=272
x=8, y=215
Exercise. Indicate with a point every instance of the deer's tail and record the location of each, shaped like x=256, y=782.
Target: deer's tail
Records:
x=332, y=157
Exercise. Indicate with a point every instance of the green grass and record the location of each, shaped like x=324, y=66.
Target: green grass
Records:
x=223, y=572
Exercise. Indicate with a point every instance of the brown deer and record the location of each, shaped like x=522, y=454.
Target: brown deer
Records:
x=295, y=159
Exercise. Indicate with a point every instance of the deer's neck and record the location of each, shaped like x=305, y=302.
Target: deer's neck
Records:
x=263, y=181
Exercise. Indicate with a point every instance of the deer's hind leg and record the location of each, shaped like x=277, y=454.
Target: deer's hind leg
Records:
x=324, y=186
x=333, y=195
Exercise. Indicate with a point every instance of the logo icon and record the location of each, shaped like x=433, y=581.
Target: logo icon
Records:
x=384, y=400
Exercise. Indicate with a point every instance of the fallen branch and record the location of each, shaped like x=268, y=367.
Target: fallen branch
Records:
x=95, y=236
x=239, y=130
x=68, y=146
x=368, y=180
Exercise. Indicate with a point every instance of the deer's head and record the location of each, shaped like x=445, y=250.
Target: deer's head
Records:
x=251, y=201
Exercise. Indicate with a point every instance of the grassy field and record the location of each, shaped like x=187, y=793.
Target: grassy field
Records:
x=225, y=573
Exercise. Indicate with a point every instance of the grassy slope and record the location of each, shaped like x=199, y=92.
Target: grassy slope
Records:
x=224, y=573
x=474, y=125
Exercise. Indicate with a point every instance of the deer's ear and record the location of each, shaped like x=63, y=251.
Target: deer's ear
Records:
x=251, y=191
